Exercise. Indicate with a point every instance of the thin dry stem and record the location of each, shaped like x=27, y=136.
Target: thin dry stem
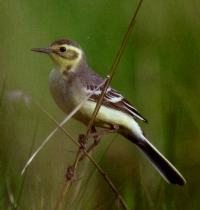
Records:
x=96, y=140
x=109, y=77
x=98, y=105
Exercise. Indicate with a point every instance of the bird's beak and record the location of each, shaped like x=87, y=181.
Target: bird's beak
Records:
x=42, y=50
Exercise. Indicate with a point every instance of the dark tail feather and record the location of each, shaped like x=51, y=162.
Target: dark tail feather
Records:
x=164, y=167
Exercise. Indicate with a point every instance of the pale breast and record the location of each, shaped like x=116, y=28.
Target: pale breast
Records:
x=61, y=91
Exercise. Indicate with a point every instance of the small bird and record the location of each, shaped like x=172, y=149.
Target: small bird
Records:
x=71, y=81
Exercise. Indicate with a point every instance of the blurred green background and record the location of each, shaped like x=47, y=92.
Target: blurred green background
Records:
x=159, y=74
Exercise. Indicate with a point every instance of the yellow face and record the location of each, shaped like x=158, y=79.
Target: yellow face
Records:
x=65, y=56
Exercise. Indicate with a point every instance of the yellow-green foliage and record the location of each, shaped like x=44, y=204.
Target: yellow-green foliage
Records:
x=159, y=74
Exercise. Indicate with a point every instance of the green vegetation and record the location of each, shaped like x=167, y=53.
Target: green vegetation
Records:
x=159, y=74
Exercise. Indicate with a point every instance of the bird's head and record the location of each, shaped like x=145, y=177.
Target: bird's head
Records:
x=65, y=53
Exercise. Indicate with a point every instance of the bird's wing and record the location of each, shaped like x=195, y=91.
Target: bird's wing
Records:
x=113, y=100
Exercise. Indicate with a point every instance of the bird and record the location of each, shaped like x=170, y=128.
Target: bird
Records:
x=72, y=80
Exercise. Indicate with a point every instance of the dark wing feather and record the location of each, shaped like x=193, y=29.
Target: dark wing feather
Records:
x=114, y=100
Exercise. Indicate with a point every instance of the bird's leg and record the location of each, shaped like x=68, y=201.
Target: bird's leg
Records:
x=113, y=130
x=82, y=143
x=96, y=138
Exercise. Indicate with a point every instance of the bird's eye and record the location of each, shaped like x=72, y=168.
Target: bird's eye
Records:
x=62, y=49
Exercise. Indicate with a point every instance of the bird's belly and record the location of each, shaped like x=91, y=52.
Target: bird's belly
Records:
x=106, y=117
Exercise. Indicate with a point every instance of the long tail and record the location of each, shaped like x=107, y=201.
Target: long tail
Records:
x=163, y=166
